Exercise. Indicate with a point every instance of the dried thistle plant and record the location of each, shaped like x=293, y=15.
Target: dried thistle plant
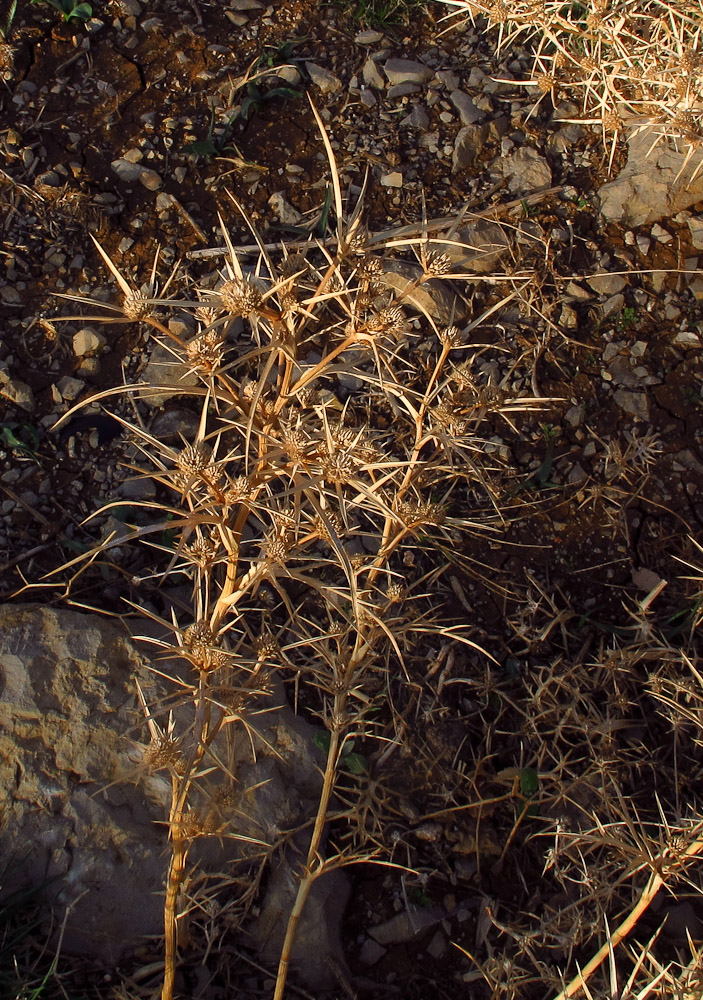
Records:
x=293, y=504
x=634, y=63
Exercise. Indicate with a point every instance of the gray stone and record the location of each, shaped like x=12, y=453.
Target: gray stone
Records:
x=468, y=112
x=87, y=341
x=392, y=180
x=418, y=118
x=371, y=952
x=607, y=284
x=406, y=71
x=635, y=403
x=174, y=425
x=17, y=392
x=655, y=184
x=72, y=786
x=129, y=8
x=326, y=81
x=371, y=75
x=695, y=226
x=468, y=144
x=431, y=298
x=368, y=37
x=478, y=247
x=438, y=945
x=525, y=170
x=449, y=80
x=66, y=707
x=399, y=90
x=284, y=210
x=289, y=74
x=70, y=388
x=131, y=173
x=405, y=926
x=167, y=376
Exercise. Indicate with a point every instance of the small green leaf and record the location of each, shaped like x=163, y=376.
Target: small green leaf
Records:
x=355, y=763
x=322, y=741
x=529, y=782
x=82, y=12
x=10, y=439
x=204, y=149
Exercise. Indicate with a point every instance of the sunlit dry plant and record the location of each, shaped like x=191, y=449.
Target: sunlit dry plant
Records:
x=292, y=505
x=636, y=63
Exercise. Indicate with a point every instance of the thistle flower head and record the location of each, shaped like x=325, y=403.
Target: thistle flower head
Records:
x=137, y=306
x=240, y=297
x=438, y=262
x=193, y=459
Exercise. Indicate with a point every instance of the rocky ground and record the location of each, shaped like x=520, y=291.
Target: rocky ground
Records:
x=143, y=123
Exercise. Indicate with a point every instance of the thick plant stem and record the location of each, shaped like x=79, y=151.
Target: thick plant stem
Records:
x=313, y=867
x=180, y=844
x=176, y=874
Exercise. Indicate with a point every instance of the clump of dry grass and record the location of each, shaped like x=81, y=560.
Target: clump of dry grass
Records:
x=333, y=437
x=636, y=62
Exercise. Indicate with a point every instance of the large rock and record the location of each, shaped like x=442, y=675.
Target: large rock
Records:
x=432, y=298
x=67, y=705
x=525, y=171
x=655, y=184
x=78, y=815
x=478, y=246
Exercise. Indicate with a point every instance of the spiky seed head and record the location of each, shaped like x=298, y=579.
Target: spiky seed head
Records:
x=207, y=350
x=395, y=591
x=217, y=659
x=240, y=489
x=336, y=282
x=690, y=60
x=267, y=646
x=413, y=513
x=205, y=315
x=193, y=459
x=546, y=82
x=343, y=436
x=137, y=306
x=293, y=264
x=203, y=550
x=464, y=377
x=612, y=122
x=337, y=467
x=333, y=519
x=163, y=751
x=199, y=635
x=276, y=547
x=7, y=61
x=687, y=126
x=450, y=336
x=248, y=389
x=438, y=262
x=337, y=721
x=240, y=297
x=498, y=11
x=370, y=267
x=306, y=397
x=288, y=302
x=389, y=320
x=594, y=20
x=295, y=442
x=358, y=240
x=266, y=408
x=681, y=86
